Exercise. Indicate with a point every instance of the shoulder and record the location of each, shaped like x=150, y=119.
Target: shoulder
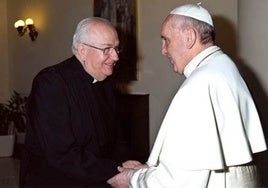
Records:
x=55, y=71
x=220, y=67
x=52, y=76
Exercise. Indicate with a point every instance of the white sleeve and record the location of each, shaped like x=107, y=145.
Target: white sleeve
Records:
x=160, y=177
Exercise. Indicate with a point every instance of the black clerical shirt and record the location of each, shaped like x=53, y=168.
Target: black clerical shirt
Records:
x=71, y=134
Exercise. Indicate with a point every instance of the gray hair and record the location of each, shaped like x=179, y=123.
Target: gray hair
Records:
x=82, y=32
x=205, y=31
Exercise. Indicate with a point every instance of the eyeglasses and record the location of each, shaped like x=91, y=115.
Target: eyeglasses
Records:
x=107, y=50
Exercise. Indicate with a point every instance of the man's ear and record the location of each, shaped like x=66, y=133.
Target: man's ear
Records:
x=191, y=37
x=81, y=50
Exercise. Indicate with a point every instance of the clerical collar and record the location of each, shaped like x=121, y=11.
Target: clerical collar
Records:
x=94, y=81
x=197, y=60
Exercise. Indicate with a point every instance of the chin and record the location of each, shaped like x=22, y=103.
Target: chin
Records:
x=104, y=76
x=108, y=73
x=101, y=79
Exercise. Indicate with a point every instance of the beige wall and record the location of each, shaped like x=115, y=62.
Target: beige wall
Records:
x=253, y=40
x=21, y=58
x=253, y=53
x=55, y=22
x=4, y=73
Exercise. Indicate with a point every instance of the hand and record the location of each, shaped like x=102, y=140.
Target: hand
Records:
x=134, y=164
x=131, y=164
x=120, y=180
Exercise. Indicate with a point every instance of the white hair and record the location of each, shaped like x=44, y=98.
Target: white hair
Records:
x=82, y=32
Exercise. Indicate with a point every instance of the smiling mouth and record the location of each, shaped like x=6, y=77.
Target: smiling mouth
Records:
x=110, y=66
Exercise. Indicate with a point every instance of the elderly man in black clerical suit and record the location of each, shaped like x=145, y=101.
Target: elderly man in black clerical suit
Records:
x=71, y=135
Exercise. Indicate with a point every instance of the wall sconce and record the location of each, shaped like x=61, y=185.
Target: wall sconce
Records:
x=22, y=28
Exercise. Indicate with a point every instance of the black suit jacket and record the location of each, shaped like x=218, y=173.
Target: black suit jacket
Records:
x=71, y=135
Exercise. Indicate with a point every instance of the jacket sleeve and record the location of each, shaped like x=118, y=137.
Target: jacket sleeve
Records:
x=160, y=177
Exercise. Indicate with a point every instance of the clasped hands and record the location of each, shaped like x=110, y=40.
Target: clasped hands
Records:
x=121, y=180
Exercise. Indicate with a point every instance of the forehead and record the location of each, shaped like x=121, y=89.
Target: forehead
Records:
x=166, y=27
x=103, y=34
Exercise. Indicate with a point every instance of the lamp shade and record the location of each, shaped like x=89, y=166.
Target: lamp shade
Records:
x=29, y=21
x=19, y=23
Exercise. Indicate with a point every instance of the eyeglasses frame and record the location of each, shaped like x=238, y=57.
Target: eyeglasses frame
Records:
x=116, y=49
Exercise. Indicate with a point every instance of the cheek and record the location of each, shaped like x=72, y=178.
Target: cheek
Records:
x=180, y=63
x=106, y=66
x=178, y=58
x=177, y=51
x=93, y=63
x=96, y=61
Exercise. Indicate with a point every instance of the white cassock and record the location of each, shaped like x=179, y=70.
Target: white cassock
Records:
x=209, y=133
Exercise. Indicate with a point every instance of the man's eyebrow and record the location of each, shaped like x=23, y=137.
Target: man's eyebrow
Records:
x=109, y=45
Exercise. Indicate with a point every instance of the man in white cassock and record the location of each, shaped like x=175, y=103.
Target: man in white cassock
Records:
x=212, y=128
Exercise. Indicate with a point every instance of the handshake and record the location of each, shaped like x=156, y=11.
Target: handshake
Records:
x=121, y=179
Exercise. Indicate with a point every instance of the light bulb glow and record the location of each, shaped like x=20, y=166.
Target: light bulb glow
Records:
x=19, y=23
x=29, y=21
